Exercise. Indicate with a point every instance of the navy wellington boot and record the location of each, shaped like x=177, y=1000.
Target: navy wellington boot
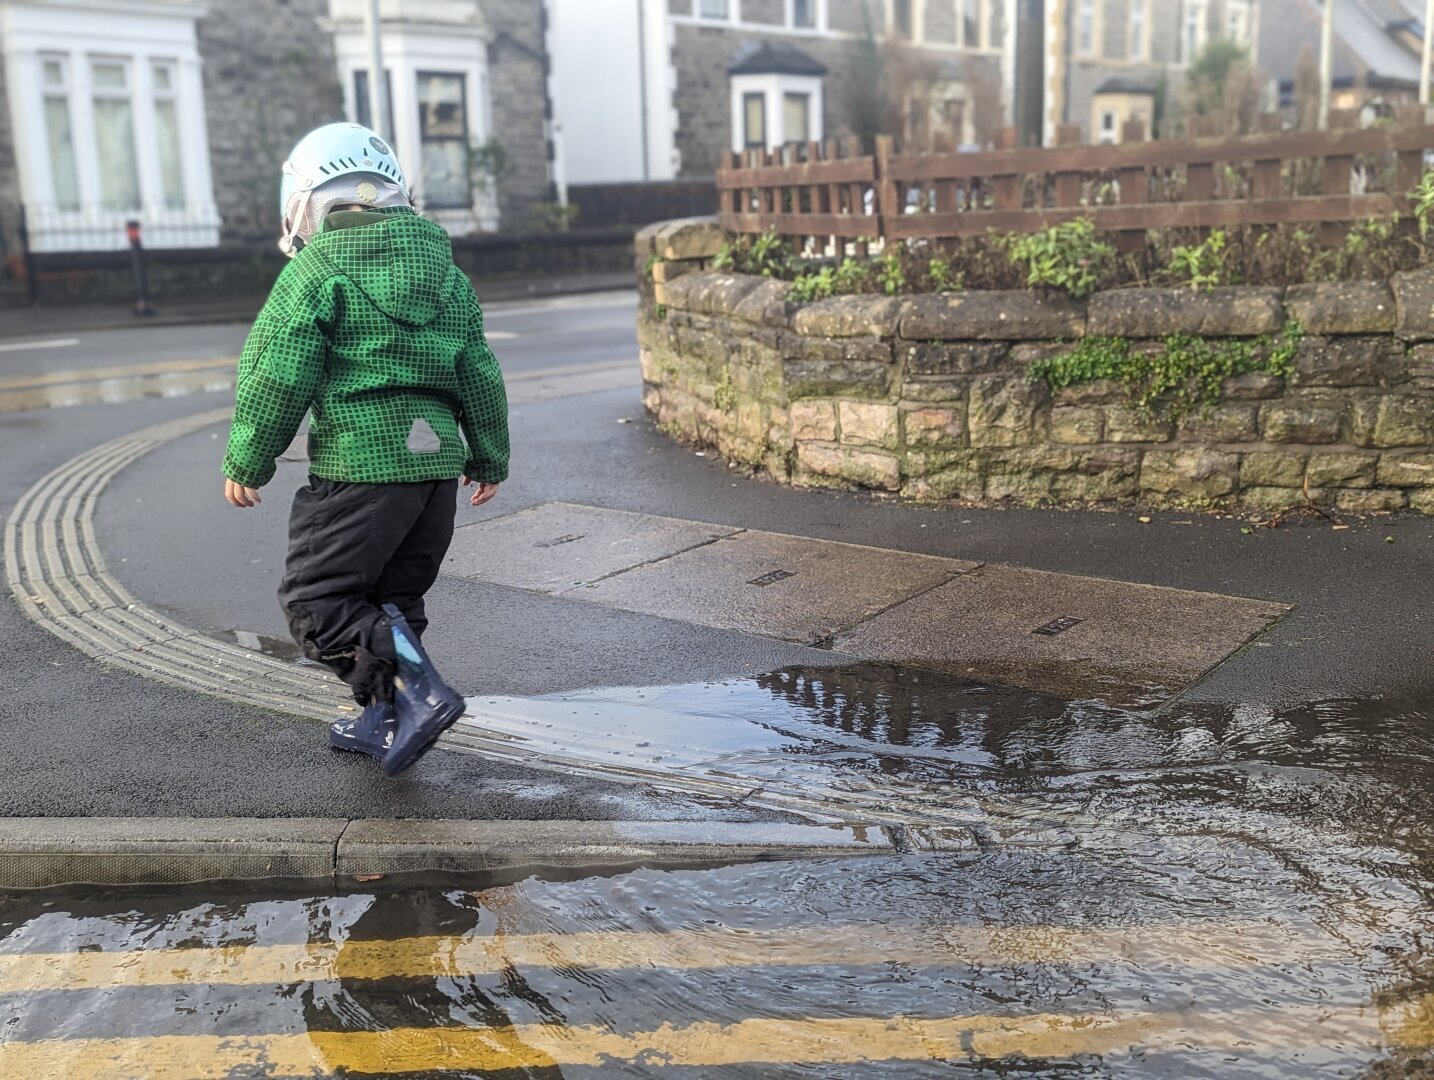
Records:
x=371, y=732
x=427, y=706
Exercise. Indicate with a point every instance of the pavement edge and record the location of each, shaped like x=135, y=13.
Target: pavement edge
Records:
x=39, y=853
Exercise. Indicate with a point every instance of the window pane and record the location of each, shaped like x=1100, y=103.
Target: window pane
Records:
x=796, y=117
x=445, y=174
x=54, y=73
x=1085, y=27
x=1136, y=45
x=108, y=76
x=901, y=17
x=114, y=139
x=440, y=107
x=712, y=9
x=754, y=120
x=804, y=13
x=166, y=119
x=62, y=153
x=163, y=78
x=443, y=128
x=971, y=23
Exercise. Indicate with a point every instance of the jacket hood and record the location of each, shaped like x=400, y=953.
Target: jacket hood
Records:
x=400, y=261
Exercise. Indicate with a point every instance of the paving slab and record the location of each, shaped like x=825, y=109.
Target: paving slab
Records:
x=1070, y=636
x=788, y=587
x=560, y=545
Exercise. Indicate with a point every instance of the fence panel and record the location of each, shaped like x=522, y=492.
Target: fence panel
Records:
x=1200, y=182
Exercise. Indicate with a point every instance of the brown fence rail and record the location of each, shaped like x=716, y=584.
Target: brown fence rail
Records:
x=1323, y=178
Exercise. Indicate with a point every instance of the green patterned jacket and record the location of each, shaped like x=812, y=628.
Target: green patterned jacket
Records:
x=373, y=329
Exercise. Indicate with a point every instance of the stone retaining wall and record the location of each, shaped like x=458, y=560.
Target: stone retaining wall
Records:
x=929, y=396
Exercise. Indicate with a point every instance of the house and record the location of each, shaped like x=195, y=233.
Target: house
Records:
x=179, y=113
x=685, y=82
x=1377, y=46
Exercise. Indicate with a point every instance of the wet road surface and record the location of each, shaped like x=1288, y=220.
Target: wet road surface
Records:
x=1189, y=892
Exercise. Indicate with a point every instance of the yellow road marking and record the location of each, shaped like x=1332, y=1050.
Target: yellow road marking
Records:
x=1217, y=946
x=754, y=1041
x=159, y=367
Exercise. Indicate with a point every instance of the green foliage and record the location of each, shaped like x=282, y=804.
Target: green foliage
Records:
x=1202, y=264
x=652, y=260
x=942, y=276
x=813, y=286
x=723, y=396
x=555, y=217
x=768, y=255
x=1212, y=65
x=889, y=274
x=1184, y=375
x=852, y=277
x=661, y=312
x=1423, y=196
x=488, y=164
x=1066, y=257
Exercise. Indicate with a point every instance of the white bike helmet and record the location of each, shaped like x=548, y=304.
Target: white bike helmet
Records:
x=334, y=164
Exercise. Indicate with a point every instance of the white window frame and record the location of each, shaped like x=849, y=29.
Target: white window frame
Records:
x=408, y=49
x=1138, y=46
x=819, y=13
x=64, y=93
x=1086, y=13
x=1108, y=136
x=138, y=33
x=1194, y=14
x=775, y=89
x=1239, y=12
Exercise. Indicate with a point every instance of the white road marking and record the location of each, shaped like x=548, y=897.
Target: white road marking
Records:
x=53, y=343
x=623, y=298
x=500, y=335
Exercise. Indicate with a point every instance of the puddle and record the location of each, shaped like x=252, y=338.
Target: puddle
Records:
x=1192, y=892
x=280, y=648
x=117, y=390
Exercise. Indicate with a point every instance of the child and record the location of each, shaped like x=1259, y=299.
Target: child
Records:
x=373, y=330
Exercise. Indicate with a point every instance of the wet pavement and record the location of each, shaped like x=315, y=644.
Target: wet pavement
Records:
x=1189, y=891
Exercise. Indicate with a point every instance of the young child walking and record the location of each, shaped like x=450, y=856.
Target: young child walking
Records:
x=374, y=334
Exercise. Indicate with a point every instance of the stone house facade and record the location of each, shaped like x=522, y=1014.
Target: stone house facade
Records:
x=179, y=113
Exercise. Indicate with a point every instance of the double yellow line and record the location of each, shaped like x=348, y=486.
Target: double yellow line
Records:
x=1206, y=949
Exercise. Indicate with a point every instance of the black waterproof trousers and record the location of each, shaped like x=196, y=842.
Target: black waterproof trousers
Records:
x=353, y=548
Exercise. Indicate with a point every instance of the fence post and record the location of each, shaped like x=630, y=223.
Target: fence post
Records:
x=1068, y=184
x=27, y=259
x=887, y=210
x=1132, y=185
x=142, y=306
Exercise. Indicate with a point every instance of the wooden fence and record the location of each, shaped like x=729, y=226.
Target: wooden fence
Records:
x=828, y=194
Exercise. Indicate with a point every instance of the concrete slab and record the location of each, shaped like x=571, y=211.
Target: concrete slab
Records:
x=558, y=545
x=383, y=846
x=789, y=587
x=44, y=852
x=1070, y=636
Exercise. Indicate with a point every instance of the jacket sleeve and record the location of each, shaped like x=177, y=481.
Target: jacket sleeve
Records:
x=485, y=407
x=279, y=372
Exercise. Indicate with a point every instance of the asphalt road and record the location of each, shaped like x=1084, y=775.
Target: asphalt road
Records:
x=82, y=740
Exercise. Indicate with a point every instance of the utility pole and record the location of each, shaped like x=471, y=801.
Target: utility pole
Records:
x=377, y=76
x=1424, y=60
x=1326, y=63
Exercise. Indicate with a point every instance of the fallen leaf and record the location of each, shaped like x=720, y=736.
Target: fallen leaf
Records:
x=1247, y=531
x=1389, y=539
x=1145, y=521
x=368, y=877
x=1336, y=528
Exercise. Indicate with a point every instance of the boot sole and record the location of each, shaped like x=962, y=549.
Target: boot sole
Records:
x=392, y=765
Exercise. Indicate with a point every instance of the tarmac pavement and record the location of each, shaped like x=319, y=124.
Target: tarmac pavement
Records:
x=82, y=739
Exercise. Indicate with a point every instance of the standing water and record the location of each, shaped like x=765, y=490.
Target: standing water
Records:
x=1184, y=892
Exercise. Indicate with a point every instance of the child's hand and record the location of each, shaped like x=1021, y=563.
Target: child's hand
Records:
x=241, y=496
x=483, y=494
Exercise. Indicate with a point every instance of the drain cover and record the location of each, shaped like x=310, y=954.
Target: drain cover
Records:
x=1058, y=626
x=772, y=577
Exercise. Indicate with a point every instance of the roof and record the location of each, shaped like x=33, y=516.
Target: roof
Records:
x=1368, y=45
x=771, y=58
x=1117, y=84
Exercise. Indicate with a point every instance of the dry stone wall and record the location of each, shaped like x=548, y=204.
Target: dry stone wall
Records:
x=930, y=396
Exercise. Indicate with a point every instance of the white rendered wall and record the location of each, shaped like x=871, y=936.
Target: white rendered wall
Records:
x=597, y=106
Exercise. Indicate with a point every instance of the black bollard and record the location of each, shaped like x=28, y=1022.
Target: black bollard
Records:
x=142, y=305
